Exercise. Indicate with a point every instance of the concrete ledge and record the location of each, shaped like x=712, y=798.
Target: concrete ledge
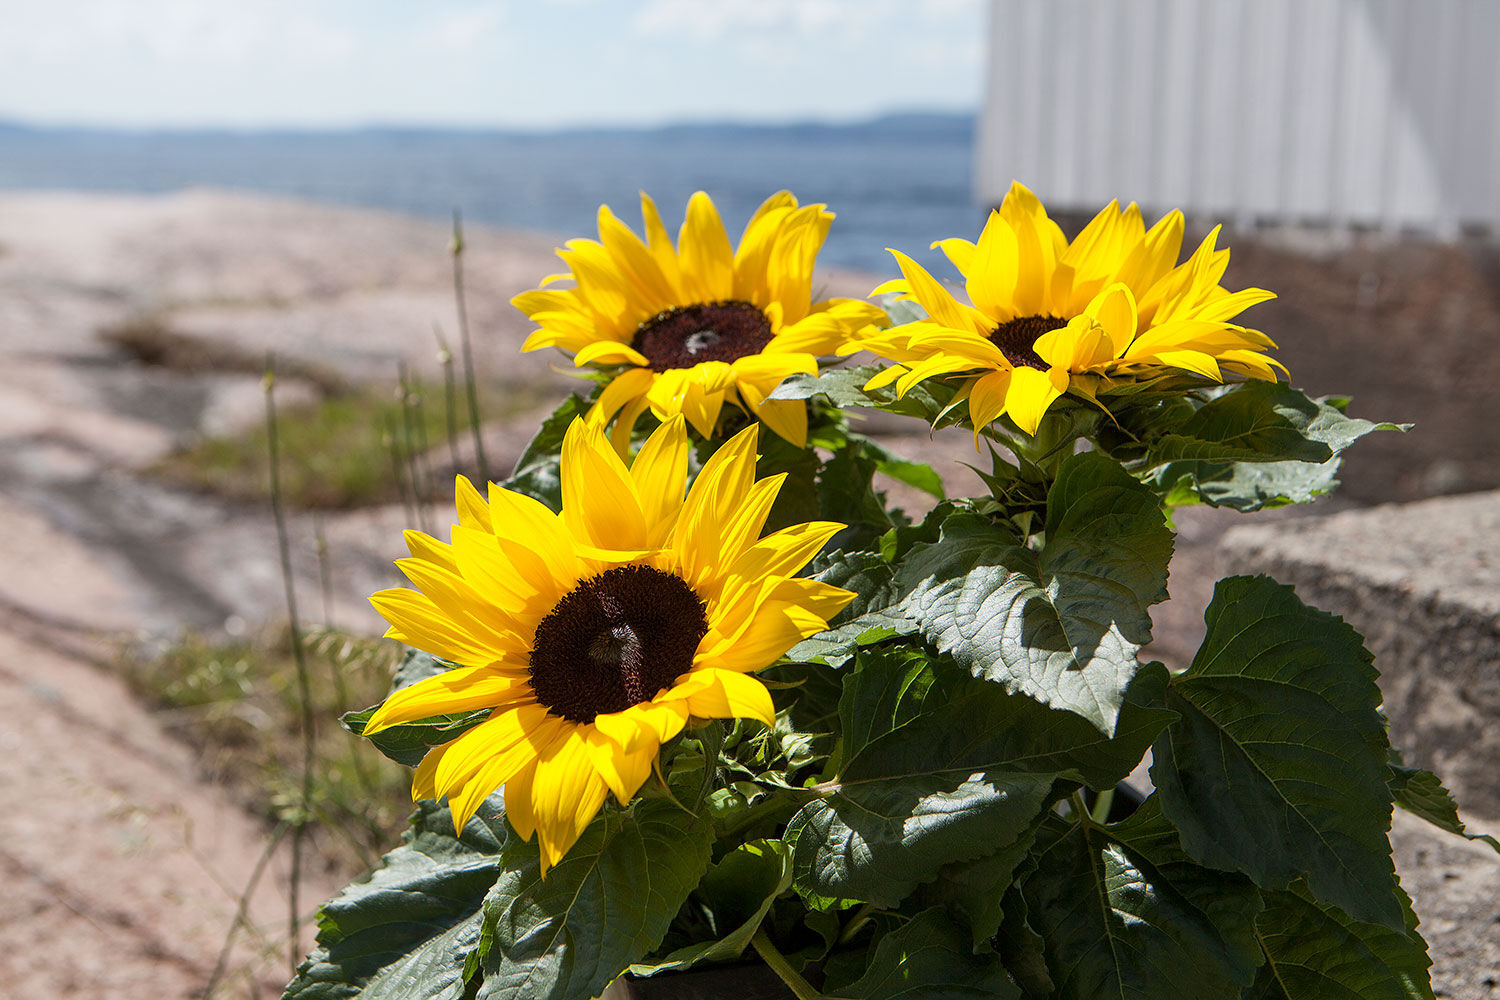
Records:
x=1421, y=581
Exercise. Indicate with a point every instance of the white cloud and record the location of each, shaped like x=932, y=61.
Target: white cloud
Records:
x=464, y=29
x=730, y=19
x=172, y=31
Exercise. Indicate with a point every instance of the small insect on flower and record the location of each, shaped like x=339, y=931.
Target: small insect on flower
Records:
x=596, y=634
x=693, y=327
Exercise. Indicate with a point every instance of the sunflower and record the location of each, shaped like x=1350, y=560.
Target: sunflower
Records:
x=1046, y=316
x=595, y=635
x=702, y=324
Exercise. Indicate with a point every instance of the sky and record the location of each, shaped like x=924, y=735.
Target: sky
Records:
x=502, y=63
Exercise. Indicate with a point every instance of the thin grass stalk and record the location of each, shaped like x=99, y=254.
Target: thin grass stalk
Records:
x=417, y=402
x=240, y=909
x=325, y=574
x=393, y=450
x=463, y=339
x=304, y=686
x=421, y=489
x=450, y=395
x=340, y=681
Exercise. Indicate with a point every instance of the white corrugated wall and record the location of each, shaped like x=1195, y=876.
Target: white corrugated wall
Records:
x=1369, y=112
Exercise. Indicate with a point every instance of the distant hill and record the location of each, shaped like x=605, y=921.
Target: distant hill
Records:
x=917, y=126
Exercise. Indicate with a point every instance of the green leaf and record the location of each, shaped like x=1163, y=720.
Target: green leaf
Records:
x=917, y=475
x=1062, y=624
x=845, y=494
x=977, y=889
x=1248, y=486
x=865, y=620
x=409, y=929
x=1278, y=766
x=1125, y=913
x=901, y=310
x=604, y=906
x=1257, y=444
x=1317, y=952
x=1253, y=422
x=928, y=958
x=845, y=387
x=538, y=471
x=1421, y=793
x=954, y=783
x=409, y=742
x=739, y=890
x=1020, y=947
x=877, y=839
x=887, y=689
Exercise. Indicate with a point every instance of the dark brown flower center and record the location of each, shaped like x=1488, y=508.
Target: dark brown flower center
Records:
x=1014, y=337
x=616, y=640
x=710, y=331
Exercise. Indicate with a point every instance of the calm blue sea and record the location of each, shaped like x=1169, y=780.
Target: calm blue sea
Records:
x=900, y=182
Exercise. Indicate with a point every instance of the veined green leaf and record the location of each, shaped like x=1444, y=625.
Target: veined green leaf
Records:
x=1247, y=486
x=977, y=890
x=1062, y=624
x=952, y=784
x=1124, y=913
x=740, y=890
x=409, y=931
x=1316, y=951
x=604, y=906
x=845, y=387
x=1256, y=445
x=1421, y=793
x=866, y=620
x=928, y=958
x=1278, y=766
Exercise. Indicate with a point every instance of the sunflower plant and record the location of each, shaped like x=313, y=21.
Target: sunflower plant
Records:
x=686, y=693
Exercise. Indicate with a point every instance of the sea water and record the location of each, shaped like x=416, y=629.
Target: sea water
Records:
x=902, y=182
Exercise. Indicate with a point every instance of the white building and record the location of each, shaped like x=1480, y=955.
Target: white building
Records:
x=1364, y=112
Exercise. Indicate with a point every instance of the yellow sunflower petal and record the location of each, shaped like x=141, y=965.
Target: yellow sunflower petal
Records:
x=987, y=399
x=565, y=795
x=462, y=689
x=704, y=254
x=622, y=389
x=518, y=801
x=610, y=352
x=1031, y=392
x=725, y=694
x=600, y=504
x=417, y=621
x=473, y=511
x=422, y=546
x=660, y=475
x=623, y=770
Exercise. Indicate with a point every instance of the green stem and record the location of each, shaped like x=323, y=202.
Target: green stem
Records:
x=856, y=922
x=304, y=685
x=1080, y=808
x=1106, y=799
x=800, y=987
x=463, y=343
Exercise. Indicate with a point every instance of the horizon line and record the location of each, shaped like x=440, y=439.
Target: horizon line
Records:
x=24, y=124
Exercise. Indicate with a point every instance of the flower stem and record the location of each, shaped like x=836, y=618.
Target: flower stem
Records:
x=1102, y=804
x=1080, y=809
x=779, y=965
